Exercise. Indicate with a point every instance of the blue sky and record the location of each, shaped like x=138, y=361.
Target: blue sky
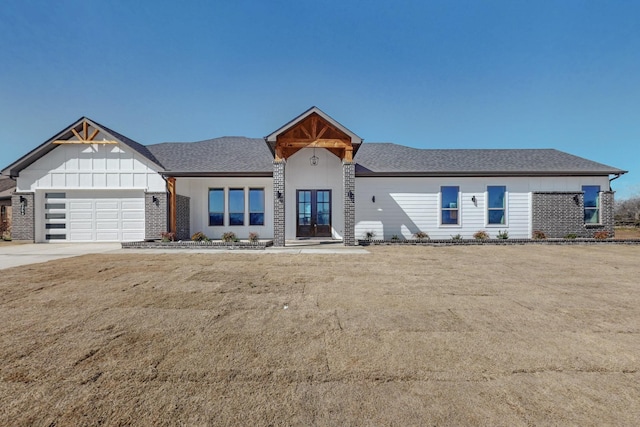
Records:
x=430, y=74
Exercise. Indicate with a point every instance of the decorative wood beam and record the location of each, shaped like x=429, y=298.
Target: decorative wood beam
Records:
x=173, y=211
x=306, y=132
x=348, y=155
x=322, y=131
x=318, y=143
x=77, y=135
x=82, y=141
x=85, y=129
x=93, y=135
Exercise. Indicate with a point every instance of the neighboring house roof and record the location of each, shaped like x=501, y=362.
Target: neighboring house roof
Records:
x=392, y=159
x=229, y=155
x=14, y=169
x=7, y=187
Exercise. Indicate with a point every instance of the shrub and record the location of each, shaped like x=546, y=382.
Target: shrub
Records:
x=421, y=235
x=168, y=236
x=229, y=236
x=369, y=235
x=601, y=235
x=481, y=235
x=199, y=237
x=456, y=237
x=571, y=236
x=503, y=234
x=538, y=234
x=253, y=236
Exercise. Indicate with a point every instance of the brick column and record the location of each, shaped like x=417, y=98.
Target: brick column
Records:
x=349, y=185
x=278, y=203
x=606, y=212
x=155, y=215
x=183, y=217
x=23, y=220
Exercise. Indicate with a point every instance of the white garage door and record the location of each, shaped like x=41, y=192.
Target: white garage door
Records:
x=94, y=216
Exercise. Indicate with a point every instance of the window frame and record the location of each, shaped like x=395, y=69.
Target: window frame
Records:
x=230, y=212
x=489, y=209
x=450, y=209
x=595, y=208
x=223, y=212
x=250, y=211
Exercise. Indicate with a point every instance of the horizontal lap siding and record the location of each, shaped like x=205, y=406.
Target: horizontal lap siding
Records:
x=404, y=206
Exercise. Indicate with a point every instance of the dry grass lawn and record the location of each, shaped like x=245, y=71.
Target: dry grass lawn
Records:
x=501, y=336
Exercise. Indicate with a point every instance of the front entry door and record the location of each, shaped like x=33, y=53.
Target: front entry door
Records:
x=313, y=213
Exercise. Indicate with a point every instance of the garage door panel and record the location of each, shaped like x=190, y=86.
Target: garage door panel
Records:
x=126, y=215
x=107, y=204
x=106, y=215
x=77, y=205
x=95, y=216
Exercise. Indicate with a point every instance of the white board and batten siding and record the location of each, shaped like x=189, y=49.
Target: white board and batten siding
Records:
x=90, y=192
x=404, y=206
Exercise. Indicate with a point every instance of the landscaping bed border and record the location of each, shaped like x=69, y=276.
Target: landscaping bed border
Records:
x=214, y=244
x=499, y=242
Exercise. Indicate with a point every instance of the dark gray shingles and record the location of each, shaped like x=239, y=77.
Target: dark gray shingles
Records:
x=228, y=154
x=391, y=158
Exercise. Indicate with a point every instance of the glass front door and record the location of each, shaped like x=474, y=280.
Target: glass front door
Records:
x=313, y=213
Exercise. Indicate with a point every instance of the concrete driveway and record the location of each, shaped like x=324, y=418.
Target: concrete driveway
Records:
x=13, y=255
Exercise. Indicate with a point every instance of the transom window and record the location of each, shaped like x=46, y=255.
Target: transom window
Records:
x=496, y=204
x=591, y=204
x=450, y=205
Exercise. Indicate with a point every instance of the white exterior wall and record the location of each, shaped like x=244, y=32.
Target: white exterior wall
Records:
x=404, y=206
x=197, y=189
x=326, y=175
x=95, y=166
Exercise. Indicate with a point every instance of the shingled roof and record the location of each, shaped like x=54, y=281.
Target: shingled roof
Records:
x=394, y=159
x=251, y=156
x=229, y=155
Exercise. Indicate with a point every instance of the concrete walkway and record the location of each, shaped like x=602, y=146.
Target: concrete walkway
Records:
x=14, y=255
x=17, y=254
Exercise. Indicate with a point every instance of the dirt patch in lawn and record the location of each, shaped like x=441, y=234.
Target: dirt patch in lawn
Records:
x=522, y=335
x=627, y=232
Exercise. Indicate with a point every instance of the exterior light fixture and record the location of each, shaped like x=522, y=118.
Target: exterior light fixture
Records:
x=474, y=200
x=279, y=195
x=23, y=205
x=373, y=199
x=314, y=159
x=155, y=200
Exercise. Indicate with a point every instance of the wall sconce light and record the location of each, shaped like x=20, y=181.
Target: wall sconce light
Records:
x=474, y=200
x=576, y=199
x=351, y=195
x=279, y=195
x=155, y=200
x=23, y=205
x=373, y=199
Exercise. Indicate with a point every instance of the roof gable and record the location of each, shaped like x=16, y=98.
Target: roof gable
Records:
x=84, y=130
x=271, y=138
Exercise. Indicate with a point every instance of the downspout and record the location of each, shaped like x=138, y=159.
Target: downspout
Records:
x=618, y=175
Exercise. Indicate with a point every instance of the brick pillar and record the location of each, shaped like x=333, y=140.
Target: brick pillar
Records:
x=23, y=219
x=606, y=212
x=349, y=185
x=278, y=203
x=183, y=217
x=155, y=215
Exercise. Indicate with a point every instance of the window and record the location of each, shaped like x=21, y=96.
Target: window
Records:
x=449, y=207
x=236, y=206
x=216, y=206
x=496, y=204
x=256, y=206
x=591, y=204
